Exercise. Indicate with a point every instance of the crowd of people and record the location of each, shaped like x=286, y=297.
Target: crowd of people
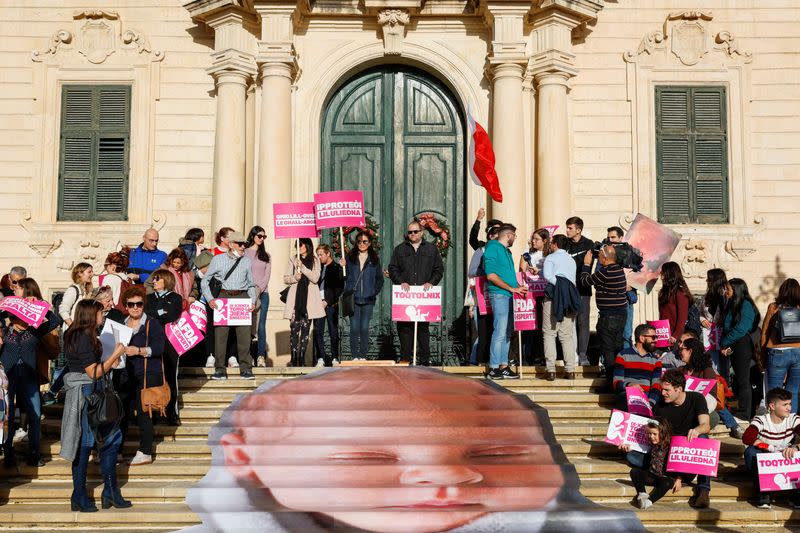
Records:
x=718, y=335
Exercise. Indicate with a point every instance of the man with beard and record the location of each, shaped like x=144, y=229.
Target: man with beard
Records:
x=638, y=366
x=502, y=278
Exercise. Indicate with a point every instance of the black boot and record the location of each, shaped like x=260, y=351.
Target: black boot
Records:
x=80, y=500
x=111, y=497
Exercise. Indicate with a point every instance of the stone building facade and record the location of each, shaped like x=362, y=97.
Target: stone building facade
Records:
x=230, y=105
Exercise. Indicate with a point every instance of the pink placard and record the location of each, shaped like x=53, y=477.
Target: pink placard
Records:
x=524, y=309
x=484, y=306
x=416, y=304
x=701, y=456
x=536, y=284
x=339, y=209
x=638, y=402
x=183, y=334
x=32, y=312
x=703, y=386
x=662, y=331
x=627, y=428
x=294, y=220
x=775, y=472
x=233, y=312
x=711, y=338
x=550, y=229
x=197, y=312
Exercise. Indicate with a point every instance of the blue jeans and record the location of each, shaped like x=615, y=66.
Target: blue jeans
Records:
x=727, y=418
x=784, y=365
x=627, y=331
x=721, y=364
x=262, y=324
x=503, y=328
x=23, y=387
x=331, y=319
x=359, y=329
x=58, y=382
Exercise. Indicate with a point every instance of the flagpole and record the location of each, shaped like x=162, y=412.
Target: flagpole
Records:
x=341, y=243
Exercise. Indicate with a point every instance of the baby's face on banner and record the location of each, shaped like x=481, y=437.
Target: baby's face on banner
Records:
x=411, y=451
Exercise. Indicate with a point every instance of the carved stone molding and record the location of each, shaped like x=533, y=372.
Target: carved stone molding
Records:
x=96, y=35
x=89, y=250
x=45, y=247
x=393, y=23
x=687, y=37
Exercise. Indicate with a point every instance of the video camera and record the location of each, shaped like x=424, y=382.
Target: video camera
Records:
x=627, y=255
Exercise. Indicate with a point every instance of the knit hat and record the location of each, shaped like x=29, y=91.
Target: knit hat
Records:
x=204, y=259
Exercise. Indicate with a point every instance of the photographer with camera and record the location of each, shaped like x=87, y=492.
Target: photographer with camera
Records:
x=612, y=302
x=614, y=236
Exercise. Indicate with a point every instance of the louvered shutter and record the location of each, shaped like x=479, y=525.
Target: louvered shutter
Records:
x=691, y=155
x=95, y=140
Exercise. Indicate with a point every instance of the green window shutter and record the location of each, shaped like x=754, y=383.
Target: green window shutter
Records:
x=95, y=152
x=691, y=155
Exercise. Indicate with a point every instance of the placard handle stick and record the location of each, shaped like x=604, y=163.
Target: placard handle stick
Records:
x=341, y=243
x=414, y=355
x=298, y=249
x=519, y=364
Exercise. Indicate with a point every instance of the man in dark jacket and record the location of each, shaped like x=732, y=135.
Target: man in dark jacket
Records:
x=415, y=262
x=331, y=285
x=474, y=242
x=577, y=247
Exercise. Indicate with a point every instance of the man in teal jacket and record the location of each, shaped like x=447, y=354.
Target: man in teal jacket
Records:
x=502, y=277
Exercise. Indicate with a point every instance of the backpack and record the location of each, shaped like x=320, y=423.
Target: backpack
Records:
x=693, y=319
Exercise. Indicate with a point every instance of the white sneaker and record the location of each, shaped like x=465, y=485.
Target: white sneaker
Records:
x=320, y=363
x=335, y=362
x=232, y=362
x=141, y=459
x=20, y=435
x=643, y=500
x=261, y=361
x=210, y=363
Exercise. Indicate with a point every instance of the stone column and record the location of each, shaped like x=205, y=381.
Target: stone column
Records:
x=249, y=165
x=553, y=190
x=507, y=62
x=229, y=149
x=552, y=65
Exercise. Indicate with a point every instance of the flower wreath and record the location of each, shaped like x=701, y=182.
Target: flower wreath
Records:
x=372, y=228
x=439, y=228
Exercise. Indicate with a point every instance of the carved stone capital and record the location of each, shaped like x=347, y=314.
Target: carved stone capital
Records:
x=393, y=23
x=233, y=62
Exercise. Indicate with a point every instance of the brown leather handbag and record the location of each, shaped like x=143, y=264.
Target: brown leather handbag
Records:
x=154, y=398
x=47, y=349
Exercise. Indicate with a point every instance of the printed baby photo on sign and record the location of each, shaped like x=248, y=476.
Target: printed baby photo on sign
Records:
x=391, y=449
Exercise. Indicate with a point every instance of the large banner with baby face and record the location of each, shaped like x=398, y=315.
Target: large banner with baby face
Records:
x=416, y=304
x=389, y=449
x=656, y=242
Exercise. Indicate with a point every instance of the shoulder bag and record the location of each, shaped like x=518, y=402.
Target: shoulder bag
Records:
x=104, y=408
x=348, y=299
x=215, y=284
x=154, y=398
x=788, y=325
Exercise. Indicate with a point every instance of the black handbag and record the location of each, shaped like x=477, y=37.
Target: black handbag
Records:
x=789, y=325
x=215, y=284
x=103, y=408
x=347, y=302
x=285, y=294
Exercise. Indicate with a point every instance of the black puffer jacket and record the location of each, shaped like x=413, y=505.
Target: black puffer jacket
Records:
x=416, y=267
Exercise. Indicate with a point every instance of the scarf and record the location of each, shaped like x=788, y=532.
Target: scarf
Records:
x=301, y=294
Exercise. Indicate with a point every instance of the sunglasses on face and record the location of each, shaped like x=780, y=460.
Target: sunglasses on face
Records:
x=363, y=241
x=156, y=278
x=414, y=231
x=261, y=236
x=650, y=336
x=132, y=305
x=15, y=282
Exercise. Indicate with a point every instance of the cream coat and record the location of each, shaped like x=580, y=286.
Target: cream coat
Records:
x=314, y=301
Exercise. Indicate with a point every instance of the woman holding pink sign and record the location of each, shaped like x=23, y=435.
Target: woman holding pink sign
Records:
x=659, y=433
x=303, y=301
x=19, y=345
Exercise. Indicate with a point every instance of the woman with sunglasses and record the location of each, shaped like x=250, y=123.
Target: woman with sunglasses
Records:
x=166, y=306
x=697, y=364
x=261, y=268
x=147, y=344
x=83, y=354
x=365, y=279
x=19, y=344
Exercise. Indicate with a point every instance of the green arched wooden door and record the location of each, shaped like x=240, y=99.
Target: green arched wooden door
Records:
x=397, y=134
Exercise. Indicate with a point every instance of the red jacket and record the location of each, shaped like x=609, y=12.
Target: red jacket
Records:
x=676, y=310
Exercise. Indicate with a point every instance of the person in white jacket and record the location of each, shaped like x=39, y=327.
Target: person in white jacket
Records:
x=80, y=289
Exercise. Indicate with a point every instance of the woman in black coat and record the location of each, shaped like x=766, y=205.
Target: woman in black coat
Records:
x=145, y=350
x=166, y=307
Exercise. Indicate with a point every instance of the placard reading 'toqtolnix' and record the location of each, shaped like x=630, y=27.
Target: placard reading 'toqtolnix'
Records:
x=416, y=304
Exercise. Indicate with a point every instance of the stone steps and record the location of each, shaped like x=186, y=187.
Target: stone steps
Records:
x=37, y=498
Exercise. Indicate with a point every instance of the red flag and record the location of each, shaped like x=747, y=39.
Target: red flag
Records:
x=480, y=159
